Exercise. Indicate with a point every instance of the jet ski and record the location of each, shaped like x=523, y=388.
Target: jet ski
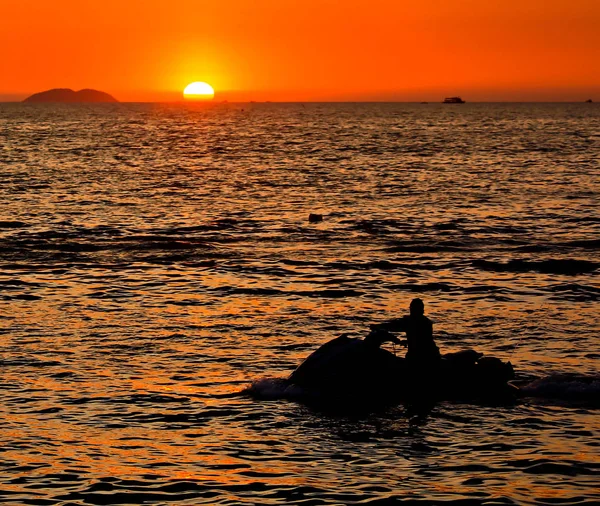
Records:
x=358, y=371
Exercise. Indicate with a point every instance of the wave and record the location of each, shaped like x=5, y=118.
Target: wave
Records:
x=585, y=244
x=12, y=224
x=429, y=247
x=552, y=266
x=326, y=293
x=576, y=292
x=566, y=387
x=387, y=265
x=425, y=287
x=87, y=247
x=273, y=389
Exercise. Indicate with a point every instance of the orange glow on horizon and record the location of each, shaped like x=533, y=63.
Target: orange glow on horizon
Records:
x=314, y=50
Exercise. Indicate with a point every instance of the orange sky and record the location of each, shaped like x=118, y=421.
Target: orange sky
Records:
x=147, y=50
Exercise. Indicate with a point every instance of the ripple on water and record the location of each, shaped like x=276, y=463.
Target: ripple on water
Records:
x=156, y=262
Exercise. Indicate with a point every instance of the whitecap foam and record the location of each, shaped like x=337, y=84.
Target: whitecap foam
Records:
x=273, y=389
x=565, y=387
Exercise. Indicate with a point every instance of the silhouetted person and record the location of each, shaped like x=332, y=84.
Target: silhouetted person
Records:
x=422, y=350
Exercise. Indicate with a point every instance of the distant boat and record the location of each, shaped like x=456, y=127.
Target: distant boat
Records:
x=453, y=100
x=588, y=101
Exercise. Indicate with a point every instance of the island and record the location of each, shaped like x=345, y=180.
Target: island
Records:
x=66, y=95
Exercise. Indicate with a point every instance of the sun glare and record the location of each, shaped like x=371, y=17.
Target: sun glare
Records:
x=199, y=91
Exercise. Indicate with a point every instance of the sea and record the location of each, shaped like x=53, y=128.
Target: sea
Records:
x=159, y=261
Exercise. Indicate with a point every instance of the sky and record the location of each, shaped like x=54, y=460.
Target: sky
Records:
x=309, y=50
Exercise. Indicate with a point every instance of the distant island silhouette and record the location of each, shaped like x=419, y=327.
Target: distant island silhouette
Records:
x=66, y=95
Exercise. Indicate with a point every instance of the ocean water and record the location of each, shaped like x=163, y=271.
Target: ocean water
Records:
x=156, y=260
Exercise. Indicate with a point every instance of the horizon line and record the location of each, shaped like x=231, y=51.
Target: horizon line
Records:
x=226, y=101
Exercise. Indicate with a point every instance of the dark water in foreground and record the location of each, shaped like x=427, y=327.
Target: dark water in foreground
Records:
x=155, y=260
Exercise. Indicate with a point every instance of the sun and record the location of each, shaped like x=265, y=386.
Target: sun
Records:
x=199, y=91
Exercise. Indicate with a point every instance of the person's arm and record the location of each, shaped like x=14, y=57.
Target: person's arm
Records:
x=396, y=325
x=379, y=336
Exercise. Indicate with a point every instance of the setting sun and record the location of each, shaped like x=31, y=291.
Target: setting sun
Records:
x=199, y=91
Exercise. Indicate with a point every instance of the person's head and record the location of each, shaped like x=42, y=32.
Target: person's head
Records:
x=417, y=308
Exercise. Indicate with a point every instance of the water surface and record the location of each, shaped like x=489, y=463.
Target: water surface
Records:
x=157, y=259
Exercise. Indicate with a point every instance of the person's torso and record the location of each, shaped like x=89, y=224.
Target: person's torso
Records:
x=419, y=334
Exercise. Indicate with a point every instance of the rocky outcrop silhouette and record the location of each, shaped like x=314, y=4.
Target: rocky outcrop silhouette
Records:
x=66, y=95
